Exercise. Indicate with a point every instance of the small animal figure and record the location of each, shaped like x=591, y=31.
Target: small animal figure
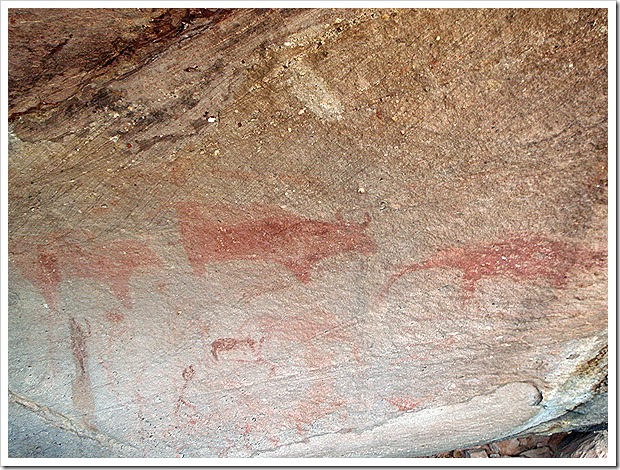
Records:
x=245, y=345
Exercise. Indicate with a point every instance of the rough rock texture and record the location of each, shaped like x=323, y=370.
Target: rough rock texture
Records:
x=304, y=232
x=585, y=446
x=561, y=445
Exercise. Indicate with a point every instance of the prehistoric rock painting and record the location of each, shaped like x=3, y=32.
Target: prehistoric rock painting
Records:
x=247, y=347
x=47, y=262
x=405, y=404
x=286, y=239
x=313, y=339
x=520, y=258
x=313, y=333
x=320, y=401
x=186, y=413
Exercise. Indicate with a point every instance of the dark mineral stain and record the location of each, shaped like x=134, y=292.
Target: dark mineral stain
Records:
x=291, y=241
x=82, y=395
x=46, y=263
x=104, y=98
x=520, y=258
x=13, y=298
x=78, y=346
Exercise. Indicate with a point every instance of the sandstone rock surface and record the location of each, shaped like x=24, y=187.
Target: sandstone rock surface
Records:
x=304, y=232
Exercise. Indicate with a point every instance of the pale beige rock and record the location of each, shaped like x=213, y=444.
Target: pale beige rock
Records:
x=433, y=430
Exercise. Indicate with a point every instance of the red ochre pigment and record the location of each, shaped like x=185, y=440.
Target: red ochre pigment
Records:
x=291, y=241
x=520, y=258
x=46, y=263
x=404, y=403
x=230, y=344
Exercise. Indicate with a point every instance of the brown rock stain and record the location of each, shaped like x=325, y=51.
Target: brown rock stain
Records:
x=248, y=177
x=82, y=395
x=235, y=175
x=293, y=242
x=178, y=171
x=520, y=258
x=47, y=262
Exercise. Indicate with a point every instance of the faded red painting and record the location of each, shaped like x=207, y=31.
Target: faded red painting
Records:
x=520, y=258
x=321, y=401
x=318, y=334
x=48, y=262
x=280, y=237
x=405, y=403
x=247, y=347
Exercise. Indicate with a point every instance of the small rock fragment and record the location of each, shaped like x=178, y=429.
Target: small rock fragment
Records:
x=507, y=447
x=538, y=453
x=531, y=442
x=477, y=454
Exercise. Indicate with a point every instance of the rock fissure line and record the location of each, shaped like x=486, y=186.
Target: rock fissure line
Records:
x=60, y=421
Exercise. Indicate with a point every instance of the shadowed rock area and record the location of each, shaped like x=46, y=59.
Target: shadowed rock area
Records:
x=305, y=232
